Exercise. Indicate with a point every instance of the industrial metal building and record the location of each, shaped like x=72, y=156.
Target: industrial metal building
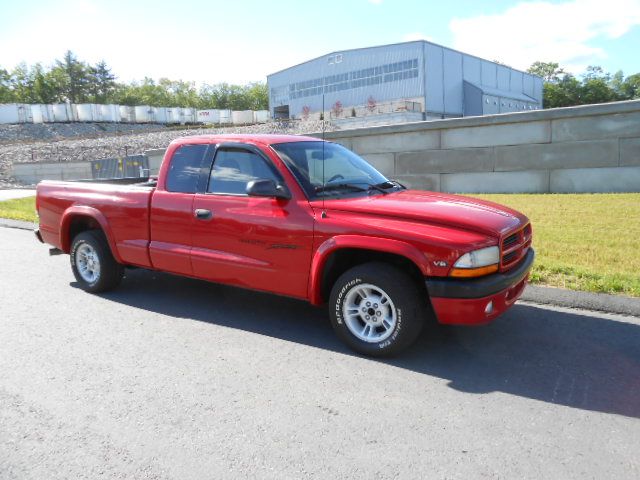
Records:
x=419, y=77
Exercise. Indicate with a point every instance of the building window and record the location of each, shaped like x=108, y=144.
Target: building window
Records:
x=391, y=72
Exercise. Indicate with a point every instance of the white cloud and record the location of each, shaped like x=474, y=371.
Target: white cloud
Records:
x=561, y=32
x=135, y=48
x=410, y=37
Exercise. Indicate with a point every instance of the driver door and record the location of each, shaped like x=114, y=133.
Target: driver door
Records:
x=261, y=243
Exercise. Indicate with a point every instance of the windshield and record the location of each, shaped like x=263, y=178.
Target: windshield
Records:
x=326, y=169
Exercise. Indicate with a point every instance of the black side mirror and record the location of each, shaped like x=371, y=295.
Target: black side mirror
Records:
x=267, y=188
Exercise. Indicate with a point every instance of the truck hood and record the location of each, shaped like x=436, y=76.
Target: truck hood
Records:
x=435, y=208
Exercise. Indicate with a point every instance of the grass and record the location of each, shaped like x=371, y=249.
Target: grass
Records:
x=19, y=209
x=587, y=242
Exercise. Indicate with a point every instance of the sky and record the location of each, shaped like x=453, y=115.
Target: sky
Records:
x=239, y=41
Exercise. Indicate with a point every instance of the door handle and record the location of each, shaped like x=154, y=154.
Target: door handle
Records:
x=203, y=214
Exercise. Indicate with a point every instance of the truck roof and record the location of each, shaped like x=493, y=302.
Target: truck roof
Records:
x=260, y=139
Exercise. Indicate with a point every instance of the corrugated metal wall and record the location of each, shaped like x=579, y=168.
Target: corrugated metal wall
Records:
x=132, y=166
x=438, y=83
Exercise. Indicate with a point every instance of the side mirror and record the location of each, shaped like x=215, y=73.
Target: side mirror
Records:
x=267, y=188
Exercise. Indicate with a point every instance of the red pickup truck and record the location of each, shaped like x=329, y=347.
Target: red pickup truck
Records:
x=300, y=217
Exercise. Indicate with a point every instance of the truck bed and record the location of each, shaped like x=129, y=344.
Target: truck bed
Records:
x=121, y=206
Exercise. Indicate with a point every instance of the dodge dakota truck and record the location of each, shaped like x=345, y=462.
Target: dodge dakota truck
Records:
x=300, y=217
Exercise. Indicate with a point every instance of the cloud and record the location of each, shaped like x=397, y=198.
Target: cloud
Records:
x=540, y=30
x=135, y=47
x=410, y=37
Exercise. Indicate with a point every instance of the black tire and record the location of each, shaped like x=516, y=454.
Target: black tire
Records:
x=108, y=275
x=406, y=302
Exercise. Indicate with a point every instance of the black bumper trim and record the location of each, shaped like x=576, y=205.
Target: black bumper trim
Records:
x=38, y=235
x=480, y=287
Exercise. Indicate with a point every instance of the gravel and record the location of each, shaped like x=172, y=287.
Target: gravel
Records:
x=89, y=142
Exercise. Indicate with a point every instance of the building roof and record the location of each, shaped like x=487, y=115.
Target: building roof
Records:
x=392, y=45
x=496, y=92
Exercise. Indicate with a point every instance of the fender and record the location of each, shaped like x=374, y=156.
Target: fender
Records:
x=385, y=245
x=97, y=215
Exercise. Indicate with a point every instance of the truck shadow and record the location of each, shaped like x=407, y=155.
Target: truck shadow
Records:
x=580, y=361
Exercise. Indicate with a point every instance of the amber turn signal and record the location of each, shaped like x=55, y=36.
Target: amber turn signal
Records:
x=473, y=272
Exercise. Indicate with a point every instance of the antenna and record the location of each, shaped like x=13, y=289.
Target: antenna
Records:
x=324, y=213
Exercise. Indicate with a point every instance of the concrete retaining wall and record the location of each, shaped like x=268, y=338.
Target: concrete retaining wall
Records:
x=594, y=148
x=31, y=173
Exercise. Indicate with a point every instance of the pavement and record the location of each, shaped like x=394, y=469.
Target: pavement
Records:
x=560, y=297
x=174, y=378
x=10, y=194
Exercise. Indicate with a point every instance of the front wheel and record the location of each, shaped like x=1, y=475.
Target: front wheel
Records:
x=93, y=264
x=377, y=309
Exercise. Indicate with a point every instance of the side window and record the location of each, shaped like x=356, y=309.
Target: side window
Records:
x=184, y=170
x=233, y=168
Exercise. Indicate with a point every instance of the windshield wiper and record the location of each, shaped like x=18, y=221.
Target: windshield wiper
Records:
x=352, y=186
x=339, y=186
x=390, y=184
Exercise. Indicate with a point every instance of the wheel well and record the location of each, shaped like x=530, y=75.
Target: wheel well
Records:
x=79, y=224
x=342, y=260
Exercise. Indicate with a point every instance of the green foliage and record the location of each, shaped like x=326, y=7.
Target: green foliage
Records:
x=562, y=89
x=19, y=209
x=73, y=80
x=549, y=71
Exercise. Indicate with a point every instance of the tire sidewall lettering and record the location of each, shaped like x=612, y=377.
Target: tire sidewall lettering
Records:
x=395, y=333
x=338, y=306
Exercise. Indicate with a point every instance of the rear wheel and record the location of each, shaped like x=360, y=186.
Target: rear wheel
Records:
x=93, y=264
x=377, y=309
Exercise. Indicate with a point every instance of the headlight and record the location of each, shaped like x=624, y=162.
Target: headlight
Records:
x=477, y=263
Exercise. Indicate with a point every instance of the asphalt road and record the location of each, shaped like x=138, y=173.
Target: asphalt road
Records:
x=174, y=378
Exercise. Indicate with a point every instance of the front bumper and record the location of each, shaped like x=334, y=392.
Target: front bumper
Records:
x=481, y=300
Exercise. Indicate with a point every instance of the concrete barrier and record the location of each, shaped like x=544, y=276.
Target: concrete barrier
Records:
x=32, y=173
x=594, y=148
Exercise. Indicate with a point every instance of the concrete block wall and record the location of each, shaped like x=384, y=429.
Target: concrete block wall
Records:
x=593, y=148
x=30, y=173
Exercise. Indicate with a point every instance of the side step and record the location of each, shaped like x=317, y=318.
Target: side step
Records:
x=55, y=251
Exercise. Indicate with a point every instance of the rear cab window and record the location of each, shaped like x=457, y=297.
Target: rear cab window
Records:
x=184, y=171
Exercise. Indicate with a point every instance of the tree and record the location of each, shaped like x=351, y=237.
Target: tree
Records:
x=102, y=82
x=562, y=89
x=562, y=93
x=630, y=88
x=22, y=83
x=549, y=71
x=257, y=96
x=76, y=78
x=45, y=89
x=6, y=92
